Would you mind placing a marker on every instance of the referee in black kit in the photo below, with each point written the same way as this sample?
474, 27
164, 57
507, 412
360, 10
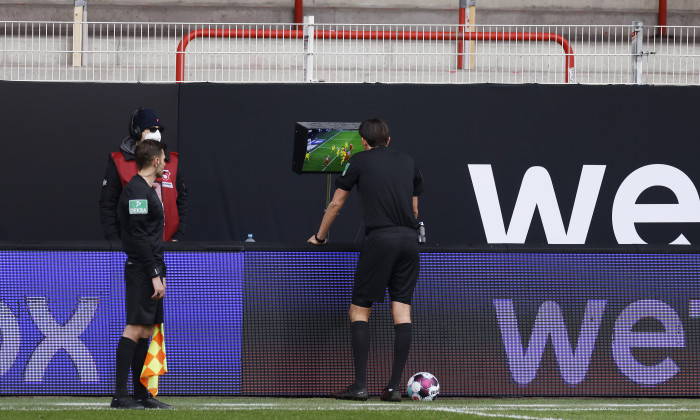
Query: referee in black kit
141, 220
388, 184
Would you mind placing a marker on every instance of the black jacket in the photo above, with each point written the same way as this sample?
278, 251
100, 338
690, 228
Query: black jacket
387, 180
112, 188
141, 218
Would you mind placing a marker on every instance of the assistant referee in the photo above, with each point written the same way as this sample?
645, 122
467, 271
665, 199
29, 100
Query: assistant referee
388, 185
141, 221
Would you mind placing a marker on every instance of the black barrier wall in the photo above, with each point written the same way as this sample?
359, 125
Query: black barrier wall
582, 141
502, 164
56, 138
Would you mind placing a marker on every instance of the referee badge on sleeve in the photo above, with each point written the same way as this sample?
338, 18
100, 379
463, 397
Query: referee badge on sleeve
346, 168
138, 206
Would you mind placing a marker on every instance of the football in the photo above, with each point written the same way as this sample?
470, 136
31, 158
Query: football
423, 386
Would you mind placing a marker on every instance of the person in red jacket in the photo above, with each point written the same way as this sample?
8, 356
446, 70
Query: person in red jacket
144, 124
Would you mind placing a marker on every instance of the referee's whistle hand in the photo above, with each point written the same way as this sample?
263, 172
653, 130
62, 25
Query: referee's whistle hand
159, 288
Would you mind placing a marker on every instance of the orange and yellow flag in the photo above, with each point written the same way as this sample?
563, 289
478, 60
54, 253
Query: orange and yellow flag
155, 363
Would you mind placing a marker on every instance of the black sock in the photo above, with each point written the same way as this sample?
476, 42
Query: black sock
360, 353
125, 352
140, 352
402, 344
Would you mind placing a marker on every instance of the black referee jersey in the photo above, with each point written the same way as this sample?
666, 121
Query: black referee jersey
387, 180
141, 221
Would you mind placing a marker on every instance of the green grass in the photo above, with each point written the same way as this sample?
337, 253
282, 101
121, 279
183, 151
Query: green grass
337, 139
323, 408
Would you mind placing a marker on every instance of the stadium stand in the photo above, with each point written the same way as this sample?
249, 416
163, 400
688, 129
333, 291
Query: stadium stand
401, 42
529, 12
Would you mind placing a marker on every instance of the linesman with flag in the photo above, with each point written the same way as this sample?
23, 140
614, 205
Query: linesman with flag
141, 220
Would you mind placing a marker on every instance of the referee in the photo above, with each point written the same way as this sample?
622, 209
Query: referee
388, 184
141, 220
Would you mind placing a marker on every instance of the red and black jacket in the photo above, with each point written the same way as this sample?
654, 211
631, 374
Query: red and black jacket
121, 167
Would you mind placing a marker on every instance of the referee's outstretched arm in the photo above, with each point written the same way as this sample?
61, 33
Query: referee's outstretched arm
331, 212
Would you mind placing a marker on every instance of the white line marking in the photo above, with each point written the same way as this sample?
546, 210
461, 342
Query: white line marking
623, 409
479, 413
329, 164
240, 405
592, 405
327, 140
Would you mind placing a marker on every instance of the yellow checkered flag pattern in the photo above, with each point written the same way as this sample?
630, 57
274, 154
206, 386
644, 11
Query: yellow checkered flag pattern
155, 363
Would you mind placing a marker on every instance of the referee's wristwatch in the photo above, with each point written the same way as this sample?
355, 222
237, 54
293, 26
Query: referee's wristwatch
320, 241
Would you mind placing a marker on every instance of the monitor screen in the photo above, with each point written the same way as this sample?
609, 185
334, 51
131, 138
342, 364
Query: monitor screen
324, 147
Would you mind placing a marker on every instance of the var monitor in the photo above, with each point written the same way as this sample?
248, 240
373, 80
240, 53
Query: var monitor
324, 147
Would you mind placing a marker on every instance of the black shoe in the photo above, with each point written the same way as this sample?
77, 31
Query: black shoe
152, 403
127, 403
349, 394
389, 394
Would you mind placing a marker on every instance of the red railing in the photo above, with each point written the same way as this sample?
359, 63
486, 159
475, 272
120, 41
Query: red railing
460, 36
662, 17
460, 45
298, 11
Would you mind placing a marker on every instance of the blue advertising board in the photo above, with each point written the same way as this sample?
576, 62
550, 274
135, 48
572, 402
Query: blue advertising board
62, 313
275, 323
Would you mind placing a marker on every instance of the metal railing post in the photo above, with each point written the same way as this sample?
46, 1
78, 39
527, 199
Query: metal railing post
308, 48
79, 32
637, 52
467, 16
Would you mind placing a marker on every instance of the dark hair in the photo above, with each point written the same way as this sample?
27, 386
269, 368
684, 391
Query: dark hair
375, 132
146, 151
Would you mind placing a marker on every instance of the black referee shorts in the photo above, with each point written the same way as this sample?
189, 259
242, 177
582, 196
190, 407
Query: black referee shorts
140, 309
389, 258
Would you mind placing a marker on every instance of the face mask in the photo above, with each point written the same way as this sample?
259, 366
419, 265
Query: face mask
153, 136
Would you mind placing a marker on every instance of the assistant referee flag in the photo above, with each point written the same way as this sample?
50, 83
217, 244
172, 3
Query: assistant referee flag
155, 363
